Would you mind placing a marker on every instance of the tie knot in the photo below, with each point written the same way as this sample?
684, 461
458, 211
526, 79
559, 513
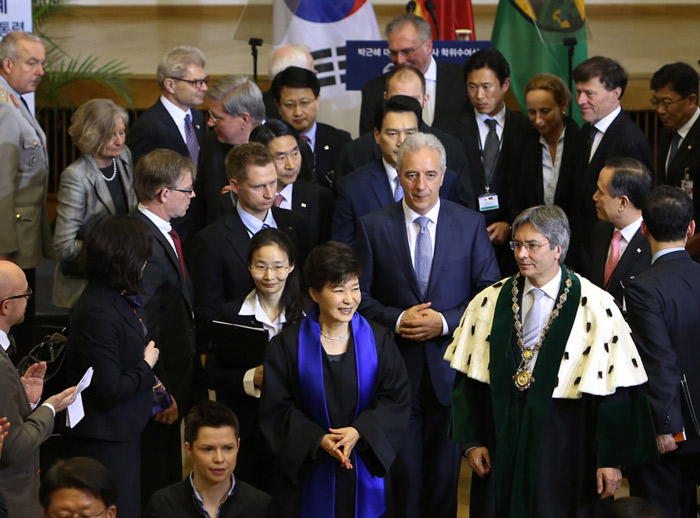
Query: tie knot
617, 236
422, 222
537, 294
187, 118
593, 133
491, 123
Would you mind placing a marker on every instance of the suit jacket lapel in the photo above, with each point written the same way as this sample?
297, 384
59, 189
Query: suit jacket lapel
237, 235
633, 252
396, 227
445, 230
379, 184
174, 133
469, 135
675, 168
94, 176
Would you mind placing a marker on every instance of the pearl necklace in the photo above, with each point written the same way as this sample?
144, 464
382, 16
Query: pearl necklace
337, 338
114, 172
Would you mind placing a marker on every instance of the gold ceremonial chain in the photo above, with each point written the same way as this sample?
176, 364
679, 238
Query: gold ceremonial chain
523, 376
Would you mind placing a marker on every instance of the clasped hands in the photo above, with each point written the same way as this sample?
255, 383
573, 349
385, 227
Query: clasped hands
420, 323
339, 444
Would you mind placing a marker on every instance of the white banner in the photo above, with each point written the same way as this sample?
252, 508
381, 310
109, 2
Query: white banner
16, 15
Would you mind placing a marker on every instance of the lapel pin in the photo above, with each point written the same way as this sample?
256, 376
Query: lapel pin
303, 204
196, 126
639, 250
326, 147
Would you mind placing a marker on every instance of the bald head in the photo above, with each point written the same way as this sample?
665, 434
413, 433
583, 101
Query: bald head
12, 283
290, 56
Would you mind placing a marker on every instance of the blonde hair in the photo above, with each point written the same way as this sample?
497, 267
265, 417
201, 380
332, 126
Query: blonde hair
92, 124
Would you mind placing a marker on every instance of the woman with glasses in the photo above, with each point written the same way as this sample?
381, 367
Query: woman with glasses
107, 333
274, 303
335, 400
97, 184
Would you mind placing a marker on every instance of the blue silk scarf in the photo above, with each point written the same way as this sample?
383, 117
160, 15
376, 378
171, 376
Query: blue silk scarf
318, 491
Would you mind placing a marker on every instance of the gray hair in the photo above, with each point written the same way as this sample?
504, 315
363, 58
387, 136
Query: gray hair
239, 95
425, 32
289, 56
551, 222
174, 63
417, 141
9, 46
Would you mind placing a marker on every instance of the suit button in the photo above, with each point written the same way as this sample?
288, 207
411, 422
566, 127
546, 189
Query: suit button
32, 160
18, 216
38, 473
36, 143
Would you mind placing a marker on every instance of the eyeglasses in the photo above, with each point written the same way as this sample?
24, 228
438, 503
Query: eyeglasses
664, 103
261, 268
214, 117
530, 247
67, 514
303, 104
27, 295
186, 191
406, 52
197, 83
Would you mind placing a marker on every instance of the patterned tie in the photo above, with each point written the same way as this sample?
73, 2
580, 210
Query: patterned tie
589, 144
278, 200
178, 247
490, 154
423, 254
675, 140
398, 190
191, 137
614, 257
531, 327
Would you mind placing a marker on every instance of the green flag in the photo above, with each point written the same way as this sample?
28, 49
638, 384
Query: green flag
531, 34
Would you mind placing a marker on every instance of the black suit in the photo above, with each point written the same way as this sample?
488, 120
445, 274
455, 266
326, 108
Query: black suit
635, 260
623, 138
315, 204
169, 308
450, 97
211, 178
106, 334
271, 111
365, 149
426, 469
329, 142
526, 183
664, 313
219, 264
155, 128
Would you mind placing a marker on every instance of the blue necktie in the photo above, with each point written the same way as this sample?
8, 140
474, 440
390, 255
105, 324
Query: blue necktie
398, 190
423, 253
531, 326
675, 140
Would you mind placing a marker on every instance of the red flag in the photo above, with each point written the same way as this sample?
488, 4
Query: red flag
451, 15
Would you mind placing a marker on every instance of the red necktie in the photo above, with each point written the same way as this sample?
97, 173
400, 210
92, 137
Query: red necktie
614, 257
178, 247
278, 200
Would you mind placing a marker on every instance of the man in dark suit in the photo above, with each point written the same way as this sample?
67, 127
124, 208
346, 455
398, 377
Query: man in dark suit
172, 122
376, 184
219, 261
312, 202
281, 58
164, 184
608, 132
664, 313
31, 423
423, 259
402, 80
410, 43
619, 251
297, 95
678, 162
492, 152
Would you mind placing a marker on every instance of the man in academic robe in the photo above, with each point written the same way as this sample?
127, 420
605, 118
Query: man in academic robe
547, 377
678, 160
423, 258
619, 251
664, 313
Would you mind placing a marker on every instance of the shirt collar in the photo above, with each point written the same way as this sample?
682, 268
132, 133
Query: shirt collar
410, 215
500, 117
177, 113
8, 87
630, 230
4, 340
390, 170
665, 251
311, 135
251, 306
198, 499
431, 73
551, 289
544, 142
163, 226
683, 130
287, 192
603, 124
253, 224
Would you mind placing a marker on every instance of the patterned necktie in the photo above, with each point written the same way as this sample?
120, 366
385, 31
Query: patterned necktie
490, 154
191, 137
398, 190
423, 254
278, 200
614, 257
178, 247
589, 144
531, 327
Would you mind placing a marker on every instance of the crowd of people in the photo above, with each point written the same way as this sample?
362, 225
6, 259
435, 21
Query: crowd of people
462, 280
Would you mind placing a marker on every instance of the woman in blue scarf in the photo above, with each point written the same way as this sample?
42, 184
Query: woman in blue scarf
335, 400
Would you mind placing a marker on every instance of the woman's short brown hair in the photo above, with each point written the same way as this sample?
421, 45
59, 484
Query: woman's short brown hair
92, 124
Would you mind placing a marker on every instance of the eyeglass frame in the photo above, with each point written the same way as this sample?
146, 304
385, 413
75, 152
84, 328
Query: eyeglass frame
197, 83
186, 191
407, 52
530, 247
664, 104
213, 117
78, 515
27, 295
276, 268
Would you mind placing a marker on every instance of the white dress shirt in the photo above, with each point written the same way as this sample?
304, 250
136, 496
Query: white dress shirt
178, 115
431, 89
602, 126
164, 226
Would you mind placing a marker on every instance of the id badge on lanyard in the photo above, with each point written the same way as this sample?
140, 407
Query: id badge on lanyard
488, 201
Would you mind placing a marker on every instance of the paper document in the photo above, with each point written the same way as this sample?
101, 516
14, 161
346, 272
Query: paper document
75, 411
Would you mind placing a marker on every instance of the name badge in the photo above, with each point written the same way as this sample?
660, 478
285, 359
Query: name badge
687, 184
488, 202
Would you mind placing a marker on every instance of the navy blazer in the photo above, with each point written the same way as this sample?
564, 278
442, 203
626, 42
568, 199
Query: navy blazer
329, 142
315, 205
463, 264
663, 308
635, 260
366, 190
155, 128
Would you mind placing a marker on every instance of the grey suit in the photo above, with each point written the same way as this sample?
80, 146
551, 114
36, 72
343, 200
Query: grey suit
24, 171
19, 466
83, 197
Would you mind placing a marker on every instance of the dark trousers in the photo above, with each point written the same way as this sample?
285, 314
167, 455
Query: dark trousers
161, 457
425, 473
